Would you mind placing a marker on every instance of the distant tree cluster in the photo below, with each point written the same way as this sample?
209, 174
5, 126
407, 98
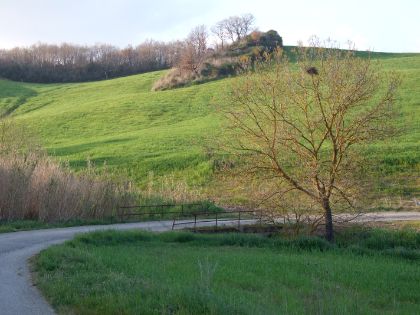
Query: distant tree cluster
71, 63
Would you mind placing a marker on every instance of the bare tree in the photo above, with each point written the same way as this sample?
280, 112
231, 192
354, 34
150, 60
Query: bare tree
195, 50
245, 26
237, 27
220, 31
296, 127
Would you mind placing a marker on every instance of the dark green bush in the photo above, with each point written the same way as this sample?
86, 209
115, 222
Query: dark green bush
227, 69
271, 40
208, 70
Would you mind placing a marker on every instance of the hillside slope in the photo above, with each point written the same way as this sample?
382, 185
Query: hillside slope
121, 122
137, 131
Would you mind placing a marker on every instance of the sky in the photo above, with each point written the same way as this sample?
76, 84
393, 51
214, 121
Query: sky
378, 25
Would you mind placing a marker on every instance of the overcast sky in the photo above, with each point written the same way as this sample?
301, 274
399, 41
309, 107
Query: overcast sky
380, 25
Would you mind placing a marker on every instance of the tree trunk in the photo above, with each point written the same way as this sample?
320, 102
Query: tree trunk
329, 232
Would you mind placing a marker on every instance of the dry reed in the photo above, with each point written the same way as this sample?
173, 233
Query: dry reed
37, 187
33, 186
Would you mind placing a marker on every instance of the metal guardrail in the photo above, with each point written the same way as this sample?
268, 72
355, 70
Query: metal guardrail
217, 218
196, 217
161, 213
162, 205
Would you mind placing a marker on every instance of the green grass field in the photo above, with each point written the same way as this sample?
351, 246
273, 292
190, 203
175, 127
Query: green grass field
136, 131
370, 272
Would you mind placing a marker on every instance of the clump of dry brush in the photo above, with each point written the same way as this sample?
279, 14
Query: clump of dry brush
34, 186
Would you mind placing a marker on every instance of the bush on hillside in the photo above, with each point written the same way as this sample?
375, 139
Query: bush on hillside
174, 78
261, 42
223, 63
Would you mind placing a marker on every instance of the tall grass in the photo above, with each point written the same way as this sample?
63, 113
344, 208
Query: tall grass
34, 186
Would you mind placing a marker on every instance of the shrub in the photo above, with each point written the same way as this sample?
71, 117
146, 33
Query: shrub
208, 70
173, 78
271, 40
227, 69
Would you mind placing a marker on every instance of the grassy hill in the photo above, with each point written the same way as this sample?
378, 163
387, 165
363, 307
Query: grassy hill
137, 131
121, 122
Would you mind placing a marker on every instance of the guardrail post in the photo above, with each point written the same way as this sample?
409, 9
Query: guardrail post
173, 223
239, 220
216, 220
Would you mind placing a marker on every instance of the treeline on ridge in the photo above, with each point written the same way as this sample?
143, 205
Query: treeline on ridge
46, 63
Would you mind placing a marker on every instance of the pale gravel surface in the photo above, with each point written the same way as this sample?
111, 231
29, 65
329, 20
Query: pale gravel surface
18, 296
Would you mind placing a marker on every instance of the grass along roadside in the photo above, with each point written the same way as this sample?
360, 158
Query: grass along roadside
183, 273
27, 225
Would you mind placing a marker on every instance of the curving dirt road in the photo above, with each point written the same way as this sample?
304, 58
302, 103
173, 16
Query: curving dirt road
19, 297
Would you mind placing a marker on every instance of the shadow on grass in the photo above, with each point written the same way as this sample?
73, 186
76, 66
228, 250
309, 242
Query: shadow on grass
17, 94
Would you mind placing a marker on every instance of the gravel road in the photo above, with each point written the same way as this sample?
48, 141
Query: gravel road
18, 296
